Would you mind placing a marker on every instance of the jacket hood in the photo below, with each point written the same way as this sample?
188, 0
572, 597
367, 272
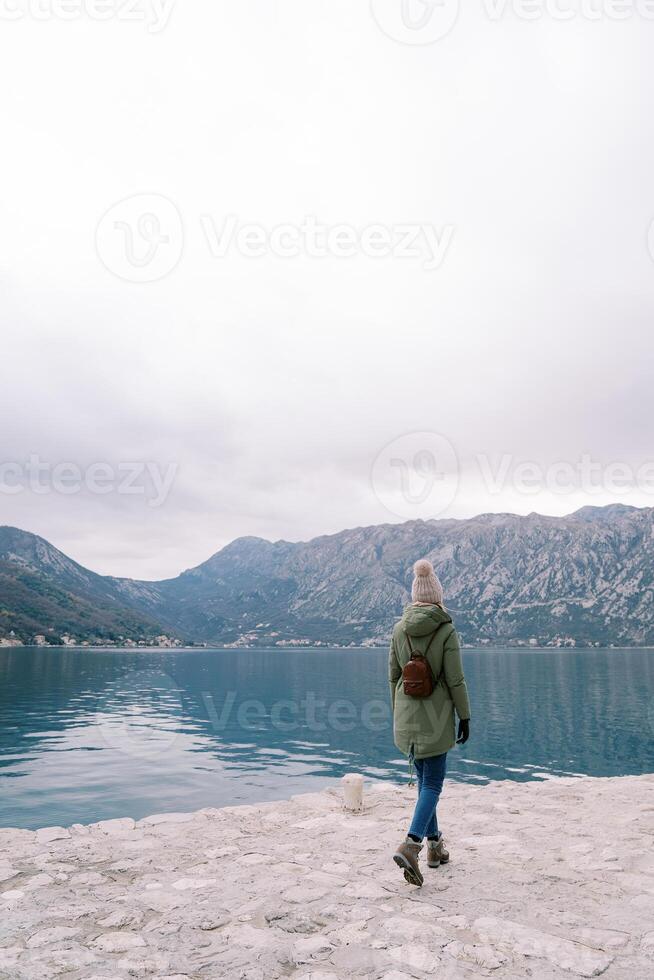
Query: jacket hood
421, 620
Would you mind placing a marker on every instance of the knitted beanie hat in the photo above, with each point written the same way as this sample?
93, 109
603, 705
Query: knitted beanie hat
426, 586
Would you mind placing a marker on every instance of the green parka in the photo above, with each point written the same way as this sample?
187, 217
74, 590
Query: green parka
427, 725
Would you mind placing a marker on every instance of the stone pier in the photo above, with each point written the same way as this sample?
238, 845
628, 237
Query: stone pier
547, 879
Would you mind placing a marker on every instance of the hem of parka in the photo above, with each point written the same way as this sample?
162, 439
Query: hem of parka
406, 742
417, 754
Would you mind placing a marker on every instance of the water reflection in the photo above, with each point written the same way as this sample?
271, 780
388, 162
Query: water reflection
91, 735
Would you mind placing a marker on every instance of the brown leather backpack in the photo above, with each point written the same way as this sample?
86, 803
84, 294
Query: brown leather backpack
417, 677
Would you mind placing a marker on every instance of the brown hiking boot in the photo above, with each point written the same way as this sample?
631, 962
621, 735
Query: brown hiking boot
436, 853
406, 856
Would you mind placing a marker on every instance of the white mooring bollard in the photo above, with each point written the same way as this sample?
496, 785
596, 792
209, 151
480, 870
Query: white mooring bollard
353, 791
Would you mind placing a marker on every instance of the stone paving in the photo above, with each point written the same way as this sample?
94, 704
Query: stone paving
547, 879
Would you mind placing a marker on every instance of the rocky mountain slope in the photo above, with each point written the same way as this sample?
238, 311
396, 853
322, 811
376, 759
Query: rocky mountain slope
42, 591
587, 577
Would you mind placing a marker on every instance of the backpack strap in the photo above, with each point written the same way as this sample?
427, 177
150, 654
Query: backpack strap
413, 652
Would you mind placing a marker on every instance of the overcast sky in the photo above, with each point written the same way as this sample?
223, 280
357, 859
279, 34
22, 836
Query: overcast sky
343, 382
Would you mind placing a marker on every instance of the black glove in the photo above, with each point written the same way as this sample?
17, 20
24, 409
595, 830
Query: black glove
464, 732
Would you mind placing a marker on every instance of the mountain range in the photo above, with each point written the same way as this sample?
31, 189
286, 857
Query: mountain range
587, 578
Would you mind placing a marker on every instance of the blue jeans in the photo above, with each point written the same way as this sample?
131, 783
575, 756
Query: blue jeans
431, 774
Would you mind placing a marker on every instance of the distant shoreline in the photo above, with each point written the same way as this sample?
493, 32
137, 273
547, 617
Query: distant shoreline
324, 647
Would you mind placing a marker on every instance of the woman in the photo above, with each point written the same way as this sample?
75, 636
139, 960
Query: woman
424, 727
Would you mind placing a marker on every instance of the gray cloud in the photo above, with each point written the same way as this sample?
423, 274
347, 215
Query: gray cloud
273, 383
